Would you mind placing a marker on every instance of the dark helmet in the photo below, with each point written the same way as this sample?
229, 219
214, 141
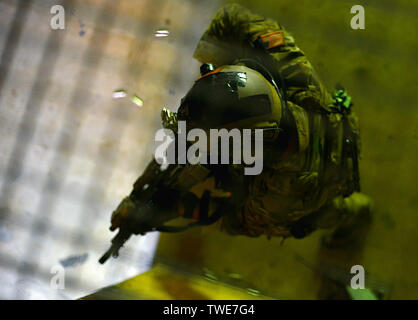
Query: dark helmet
232, 96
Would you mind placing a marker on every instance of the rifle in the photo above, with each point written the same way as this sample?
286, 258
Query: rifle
117, 242
148, 206
134, 214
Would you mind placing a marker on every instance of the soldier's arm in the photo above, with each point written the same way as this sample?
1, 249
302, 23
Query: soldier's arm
229, 34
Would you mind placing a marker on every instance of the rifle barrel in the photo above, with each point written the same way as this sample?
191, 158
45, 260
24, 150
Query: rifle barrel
117, 242
106, 256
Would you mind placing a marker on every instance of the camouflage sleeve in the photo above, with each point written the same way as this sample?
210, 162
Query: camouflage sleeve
236, 23
228, 35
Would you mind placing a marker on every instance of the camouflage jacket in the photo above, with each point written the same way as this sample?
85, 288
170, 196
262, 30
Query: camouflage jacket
307, 178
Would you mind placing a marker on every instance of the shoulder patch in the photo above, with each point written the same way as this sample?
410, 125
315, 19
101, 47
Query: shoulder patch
272, 40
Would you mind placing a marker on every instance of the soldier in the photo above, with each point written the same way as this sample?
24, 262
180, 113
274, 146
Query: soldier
310, 177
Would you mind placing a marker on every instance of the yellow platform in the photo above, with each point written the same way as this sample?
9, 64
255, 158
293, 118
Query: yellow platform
166, 283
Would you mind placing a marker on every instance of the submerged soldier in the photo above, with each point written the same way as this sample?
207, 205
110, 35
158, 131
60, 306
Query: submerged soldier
310, 177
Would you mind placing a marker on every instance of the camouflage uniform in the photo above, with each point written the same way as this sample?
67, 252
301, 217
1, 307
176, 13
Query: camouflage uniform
313, 179
308, 181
